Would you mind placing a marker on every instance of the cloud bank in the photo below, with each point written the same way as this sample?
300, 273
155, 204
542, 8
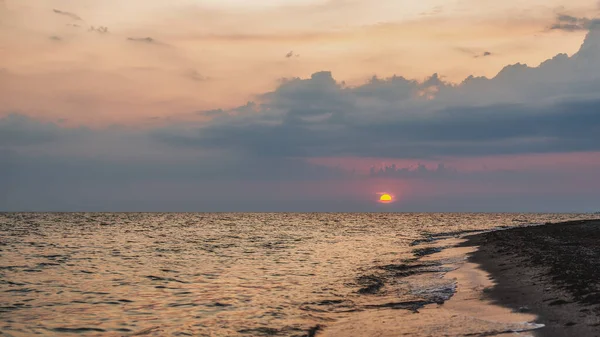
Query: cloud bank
257, 156
549, 108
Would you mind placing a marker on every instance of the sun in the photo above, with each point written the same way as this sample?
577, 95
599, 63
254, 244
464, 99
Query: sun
386, 198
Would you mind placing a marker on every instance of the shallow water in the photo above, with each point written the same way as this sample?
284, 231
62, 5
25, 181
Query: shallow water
125, 274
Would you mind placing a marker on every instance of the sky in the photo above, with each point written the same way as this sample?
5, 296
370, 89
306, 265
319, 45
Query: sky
300, 105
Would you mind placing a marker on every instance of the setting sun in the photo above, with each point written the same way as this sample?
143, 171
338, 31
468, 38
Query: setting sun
385, 198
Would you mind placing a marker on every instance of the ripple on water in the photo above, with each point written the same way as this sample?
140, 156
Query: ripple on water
77, 330
137, 274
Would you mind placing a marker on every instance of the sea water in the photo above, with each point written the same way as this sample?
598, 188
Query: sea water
233, 274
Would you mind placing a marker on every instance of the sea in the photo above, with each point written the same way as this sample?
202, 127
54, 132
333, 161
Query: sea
242, 274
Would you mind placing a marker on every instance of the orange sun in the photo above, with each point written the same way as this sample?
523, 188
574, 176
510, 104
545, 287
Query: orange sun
386, 198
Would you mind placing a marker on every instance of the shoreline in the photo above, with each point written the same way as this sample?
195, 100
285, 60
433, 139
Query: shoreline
550, 270
464, 312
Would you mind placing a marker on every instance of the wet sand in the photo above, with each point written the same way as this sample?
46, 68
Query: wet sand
552, 271
466, 313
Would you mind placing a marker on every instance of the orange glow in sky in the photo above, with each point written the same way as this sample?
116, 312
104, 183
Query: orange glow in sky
240, 50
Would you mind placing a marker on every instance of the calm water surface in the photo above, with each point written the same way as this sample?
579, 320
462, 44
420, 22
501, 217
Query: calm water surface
127, 274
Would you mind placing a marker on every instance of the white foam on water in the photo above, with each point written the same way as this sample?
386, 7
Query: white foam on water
466, 310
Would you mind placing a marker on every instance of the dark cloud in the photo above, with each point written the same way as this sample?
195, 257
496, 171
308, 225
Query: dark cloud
119, 170
571, 23
460, 131
138, 183
555, 109
18, 130
55, 38
570, 27
69, 14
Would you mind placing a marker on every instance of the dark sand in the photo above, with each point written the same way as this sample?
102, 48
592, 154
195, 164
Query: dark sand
552, 271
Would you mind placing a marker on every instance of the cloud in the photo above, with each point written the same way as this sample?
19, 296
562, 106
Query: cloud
100, 29
445, 173
18, 130
550, 108
473, 53
69, 14
47, 182
484, 54
420, 171
138, 182
50, 166
571, 23
142, 39
193, 74
182, 169
250, 153
460, 131
291, 54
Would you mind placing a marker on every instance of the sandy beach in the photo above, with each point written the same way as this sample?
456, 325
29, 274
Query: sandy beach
552, 271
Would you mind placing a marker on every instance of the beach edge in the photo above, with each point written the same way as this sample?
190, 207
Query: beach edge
540, 269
